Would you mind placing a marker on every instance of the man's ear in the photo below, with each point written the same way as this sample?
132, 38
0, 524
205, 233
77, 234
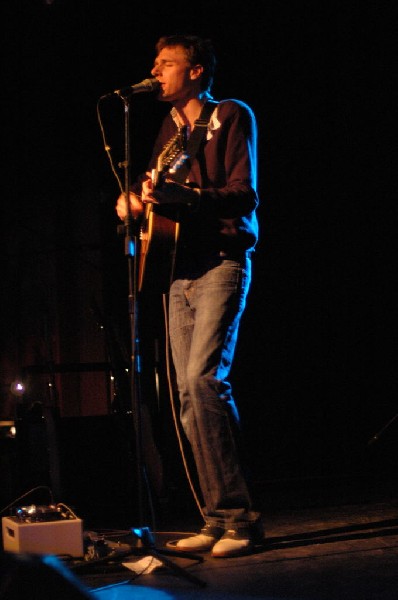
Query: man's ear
196, 71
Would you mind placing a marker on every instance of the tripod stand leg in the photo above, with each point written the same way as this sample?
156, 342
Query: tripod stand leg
176, 568
148, 546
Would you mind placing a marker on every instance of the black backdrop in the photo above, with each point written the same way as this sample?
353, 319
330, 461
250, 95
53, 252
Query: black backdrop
315, 374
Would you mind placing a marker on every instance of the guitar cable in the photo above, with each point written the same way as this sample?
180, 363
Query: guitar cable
173, 406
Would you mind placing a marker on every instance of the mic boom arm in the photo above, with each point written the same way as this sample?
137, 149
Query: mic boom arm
146, 85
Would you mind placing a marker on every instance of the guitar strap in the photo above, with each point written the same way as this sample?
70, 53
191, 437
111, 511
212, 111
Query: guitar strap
195, 139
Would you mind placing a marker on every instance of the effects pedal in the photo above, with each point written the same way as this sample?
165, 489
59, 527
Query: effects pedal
43, 530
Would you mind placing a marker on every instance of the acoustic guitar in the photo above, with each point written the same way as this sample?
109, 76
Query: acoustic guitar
158, 234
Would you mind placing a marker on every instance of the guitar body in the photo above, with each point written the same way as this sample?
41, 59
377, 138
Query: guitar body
159, 235
158, 247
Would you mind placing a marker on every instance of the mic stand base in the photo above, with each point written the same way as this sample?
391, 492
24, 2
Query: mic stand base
146, 547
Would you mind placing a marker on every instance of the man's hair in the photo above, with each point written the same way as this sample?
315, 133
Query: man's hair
198, 52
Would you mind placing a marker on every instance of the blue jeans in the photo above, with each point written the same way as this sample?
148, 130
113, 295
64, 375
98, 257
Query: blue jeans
205, 307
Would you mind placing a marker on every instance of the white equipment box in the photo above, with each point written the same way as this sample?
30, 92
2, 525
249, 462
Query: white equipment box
63, 537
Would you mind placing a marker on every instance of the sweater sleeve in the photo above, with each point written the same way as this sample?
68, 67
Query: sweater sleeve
228, 180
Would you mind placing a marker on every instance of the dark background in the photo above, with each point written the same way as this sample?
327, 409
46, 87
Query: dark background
315, 374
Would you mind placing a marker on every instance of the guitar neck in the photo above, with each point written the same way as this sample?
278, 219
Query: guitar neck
171, 158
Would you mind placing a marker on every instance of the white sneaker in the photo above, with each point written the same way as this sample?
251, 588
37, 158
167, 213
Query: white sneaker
200, 542
237, 542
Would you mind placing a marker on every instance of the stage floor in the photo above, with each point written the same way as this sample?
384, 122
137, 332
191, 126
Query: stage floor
316, 550
327, 538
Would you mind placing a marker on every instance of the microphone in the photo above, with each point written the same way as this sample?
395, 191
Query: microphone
146, 85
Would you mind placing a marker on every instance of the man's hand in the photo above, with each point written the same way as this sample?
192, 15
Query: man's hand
170, 192
136, 206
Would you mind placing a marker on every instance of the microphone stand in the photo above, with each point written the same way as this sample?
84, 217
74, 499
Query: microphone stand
145, 544
376, 436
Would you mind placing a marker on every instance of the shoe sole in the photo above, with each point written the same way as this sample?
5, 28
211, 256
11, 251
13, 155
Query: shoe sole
233, 554
172, 545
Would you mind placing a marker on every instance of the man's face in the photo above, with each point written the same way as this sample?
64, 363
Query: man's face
175, 74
